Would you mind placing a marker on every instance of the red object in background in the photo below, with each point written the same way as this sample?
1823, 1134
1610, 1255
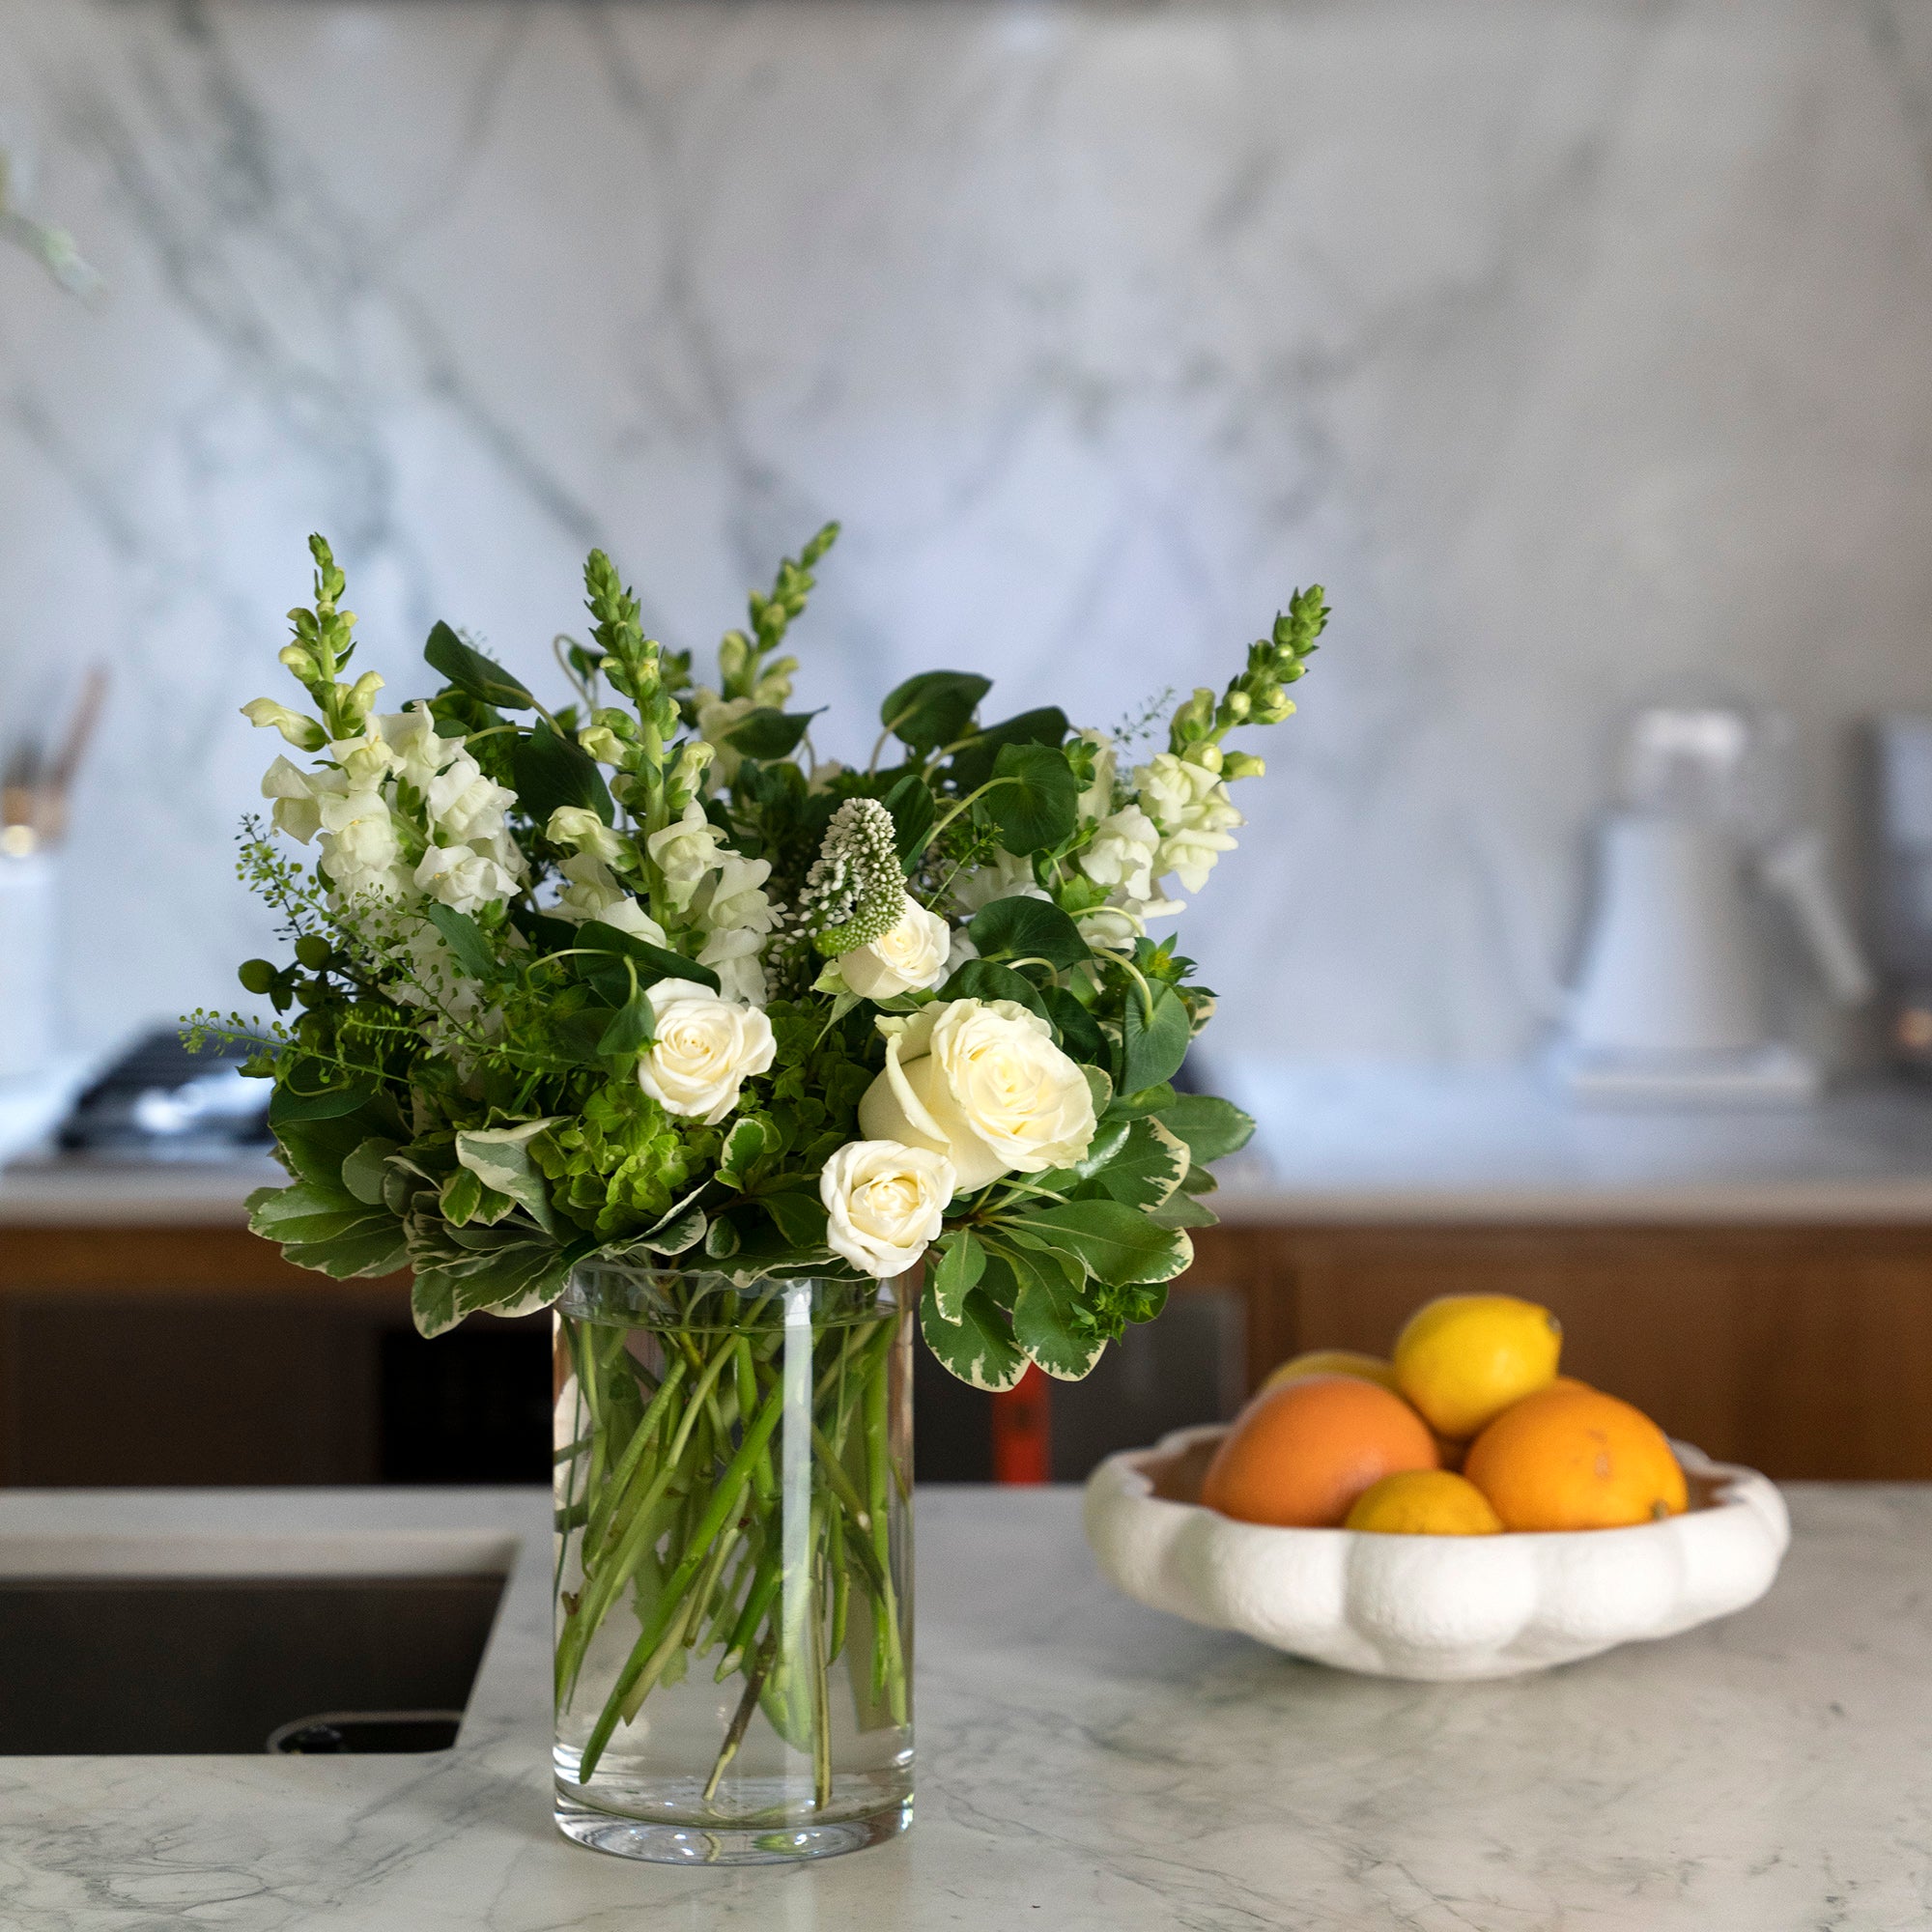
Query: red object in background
1022, 1430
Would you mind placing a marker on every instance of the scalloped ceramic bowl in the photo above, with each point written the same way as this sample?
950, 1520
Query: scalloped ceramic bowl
1430, 1607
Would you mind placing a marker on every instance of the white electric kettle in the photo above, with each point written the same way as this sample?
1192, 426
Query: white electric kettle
1669, 1002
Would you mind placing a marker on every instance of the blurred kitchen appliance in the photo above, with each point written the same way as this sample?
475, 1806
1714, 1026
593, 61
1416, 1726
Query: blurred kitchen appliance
1671, 1003
1902, 747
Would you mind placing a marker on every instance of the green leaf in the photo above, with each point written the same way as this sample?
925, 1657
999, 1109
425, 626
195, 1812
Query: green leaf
979, 1348
799, 1217
1212, 1127
1028, 929
1035, 796
499, 1157
1080, 1034
983, 979
551, 769
470, 670
1117, 1244
433, 1302
973, 764
934, 708
1146, 1169
743, 1144
1100, 1085
663, 964
631, 1028
1182, 1210
1051, 1321
465, 938
365, 1167
1154, 1099
767, 733
913, 811
684, 1232
1152, 1046
328, 1230
309, 1091
962, 1260
460, 1198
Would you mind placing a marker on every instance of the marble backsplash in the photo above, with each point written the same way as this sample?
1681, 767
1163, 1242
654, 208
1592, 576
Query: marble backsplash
1580, 347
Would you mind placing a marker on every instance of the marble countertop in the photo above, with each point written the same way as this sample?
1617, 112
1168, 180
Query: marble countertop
1085, 1763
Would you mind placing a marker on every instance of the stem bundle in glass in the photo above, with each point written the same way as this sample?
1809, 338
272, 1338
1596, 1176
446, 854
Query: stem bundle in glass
733, 1564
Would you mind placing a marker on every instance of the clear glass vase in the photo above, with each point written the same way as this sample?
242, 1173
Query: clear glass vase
734, 1576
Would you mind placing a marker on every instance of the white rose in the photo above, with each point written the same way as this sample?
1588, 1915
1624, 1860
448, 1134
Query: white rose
684, 852
912, 957
462, 879
1122, 852
464, 804
705, 1049
981, 1082
884, 1202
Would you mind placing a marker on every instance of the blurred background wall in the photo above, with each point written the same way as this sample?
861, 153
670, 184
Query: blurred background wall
1580, 349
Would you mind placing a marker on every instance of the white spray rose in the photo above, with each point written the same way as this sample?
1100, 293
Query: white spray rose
883, 1202
1122, 852
913, 956
981, 1082
684, 852
579, 826
462, 879
705, 1049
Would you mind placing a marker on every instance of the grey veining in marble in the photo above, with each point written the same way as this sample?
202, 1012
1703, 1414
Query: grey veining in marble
1091, 1766
1577, 344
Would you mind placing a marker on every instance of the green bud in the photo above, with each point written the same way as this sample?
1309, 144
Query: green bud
1271, 705
1196, 717
1207, 756
299, 660
257, 975
1235, 707
1242, 765
314, 952
734, 655
362, 695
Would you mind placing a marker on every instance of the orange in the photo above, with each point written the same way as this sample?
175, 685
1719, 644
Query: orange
1336, 1362
1301, 1452
1576, 1458
1424, 1502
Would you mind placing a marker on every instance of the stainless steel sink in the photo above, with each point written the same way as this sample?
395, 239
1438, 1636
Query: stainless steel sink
205, 1645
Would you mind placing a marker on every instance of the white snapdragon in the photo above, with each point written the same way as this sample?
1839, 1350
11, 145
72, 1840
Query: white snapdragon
298, 796
684, 852
578, 826
1190, 805
592, 892
602, 744
716, 717
365, 761
462, 879
420, 752
738, 916
462, 805
1124, 846
303, 732
360, 846
1097, 800
1008, 877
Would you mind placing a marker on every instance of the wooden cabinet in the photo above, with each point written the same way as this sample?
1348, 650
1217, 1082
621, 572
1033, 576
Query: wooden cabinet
195, 1354
1806, 1351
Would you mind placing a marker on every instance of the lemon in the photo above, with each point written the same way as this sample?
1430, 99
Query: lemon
1424, 1502
1464, 1359
1335, 1362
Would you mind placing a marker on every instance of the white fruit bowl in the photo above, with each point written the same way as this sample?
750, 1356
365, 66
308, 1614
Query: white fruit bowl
1430, 1607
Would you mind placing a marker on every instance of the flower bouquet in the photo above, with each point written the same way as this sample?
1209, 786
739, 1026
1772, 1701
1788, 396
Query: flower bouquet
737, 1057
